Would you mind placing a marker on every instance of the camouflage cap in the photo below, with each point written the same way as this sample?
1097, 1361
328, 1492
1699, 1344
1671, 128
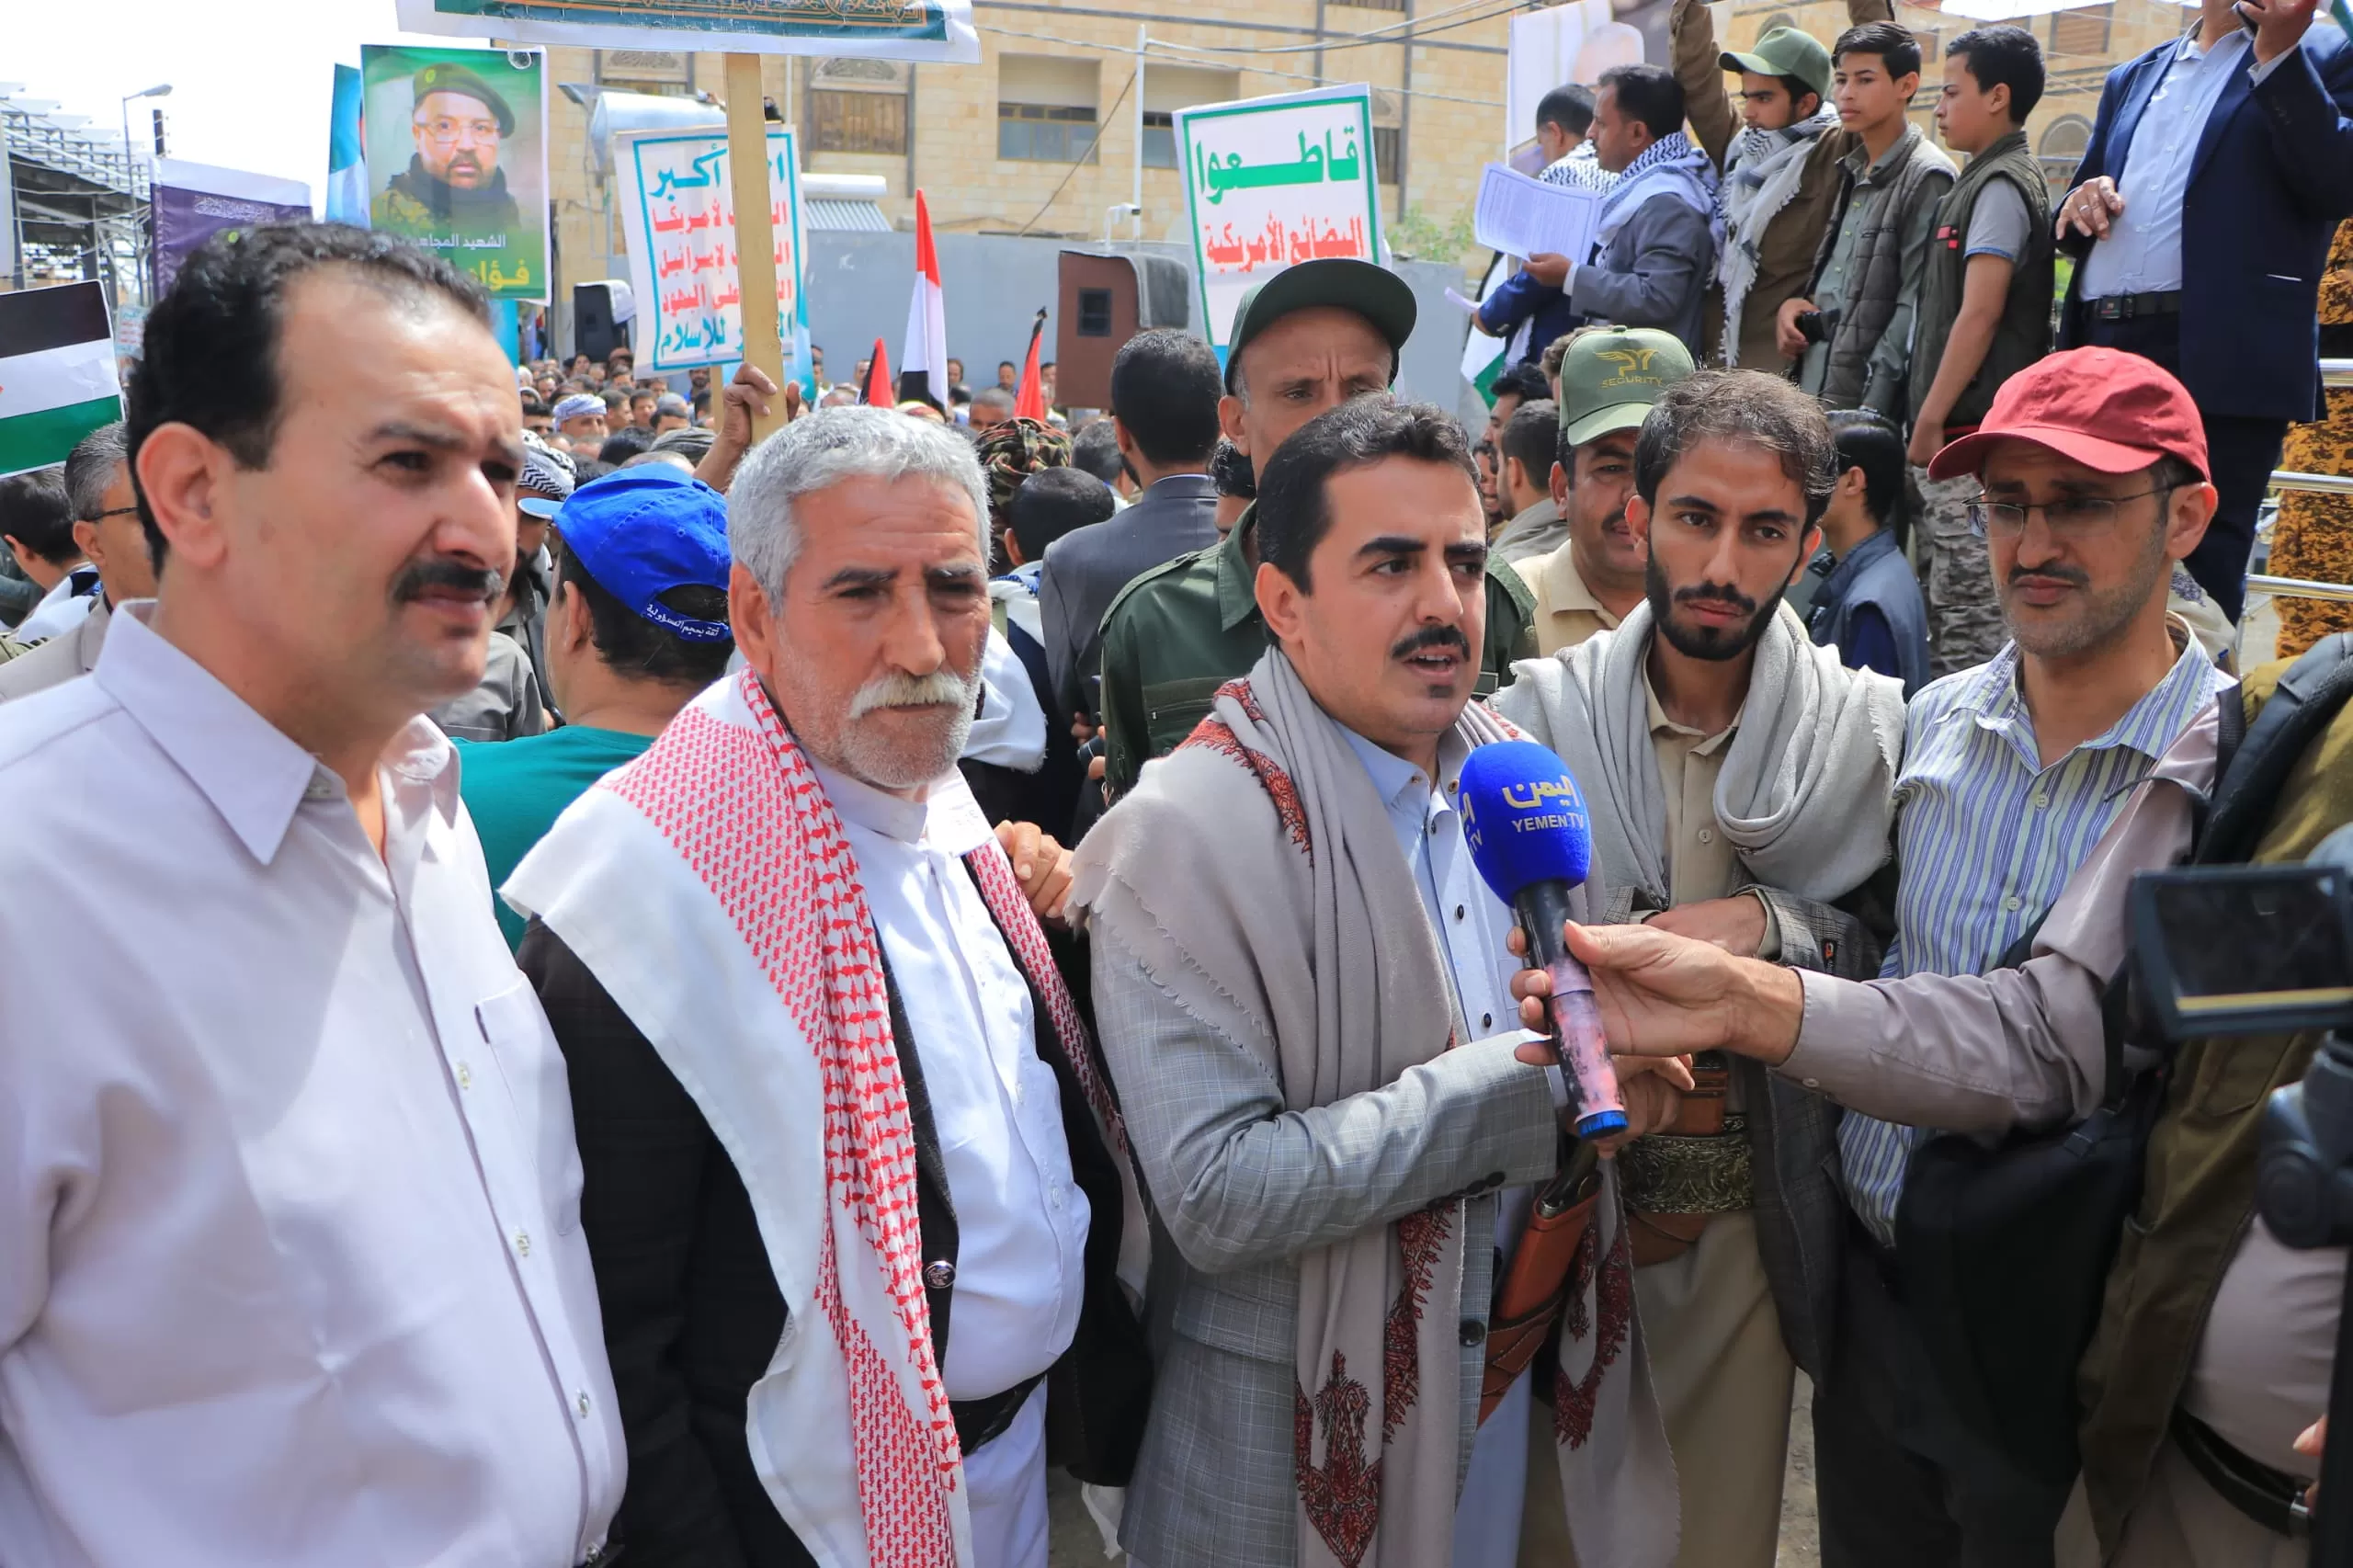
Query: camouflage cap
1012, 451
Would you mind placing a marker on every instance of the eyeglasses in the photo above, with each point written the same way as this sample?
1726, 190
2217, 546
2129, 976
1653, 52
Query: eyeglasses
114, 512
2071, 518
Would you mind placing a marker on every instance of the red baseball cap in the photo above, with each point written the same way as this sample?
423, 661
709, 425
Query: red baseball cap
2108, 410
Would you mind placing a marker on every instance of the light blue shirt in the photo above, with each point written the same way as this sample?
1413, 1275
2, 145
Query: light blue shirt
2143, 252
1987, 836
1470, 923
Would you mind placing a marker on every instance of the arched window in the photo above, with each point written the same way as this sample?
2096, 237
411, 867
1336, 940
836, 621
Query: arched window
2062, 147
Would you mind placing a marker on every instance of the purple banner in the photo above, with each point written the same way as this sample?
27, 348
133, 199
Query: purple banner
186, 218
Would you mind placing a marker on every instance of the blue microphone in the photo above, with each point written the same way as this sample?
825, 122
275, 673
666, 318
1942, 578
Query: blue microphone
1525, 821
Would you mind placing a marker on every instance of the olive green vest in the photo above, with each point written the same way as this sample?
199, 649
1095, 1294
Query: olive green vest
2199, 1196
2023, 335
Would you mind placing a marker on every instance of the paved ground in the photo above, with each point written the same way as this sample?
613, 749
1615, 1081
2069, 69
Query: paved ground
1076, 1543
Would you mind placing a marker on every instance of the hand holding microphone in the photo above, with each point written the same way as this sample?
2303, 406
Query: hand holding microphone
1525, 822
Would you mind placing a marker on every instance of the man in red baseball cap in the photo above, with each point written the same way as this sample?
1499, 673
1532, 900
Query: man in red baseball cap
2091, 467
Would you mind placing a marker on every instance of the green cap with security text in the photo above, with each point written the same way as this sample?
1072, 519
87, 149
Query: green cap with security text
1610, 377
1374, 292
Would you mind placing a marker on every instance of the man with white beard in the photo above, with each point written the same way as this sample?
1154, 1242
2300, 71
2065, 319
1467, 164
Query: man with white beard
830, 1087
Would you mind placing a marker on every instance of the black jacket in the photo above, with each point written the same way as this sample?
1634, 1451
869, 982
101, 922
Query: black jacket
691, 1309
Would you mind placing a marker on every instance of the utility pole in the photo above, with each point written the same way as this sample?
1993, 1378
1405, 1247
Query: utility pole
1136, 200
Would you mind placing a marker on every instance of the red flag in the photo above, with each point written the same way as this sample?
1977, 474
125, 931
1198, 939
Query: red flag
925, 358
877, 389
1029, 398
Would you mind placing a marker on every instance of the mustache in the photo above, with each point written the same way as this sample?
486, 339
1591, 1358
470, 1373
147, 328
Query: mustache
2074, 576
1716, 593
1432, 637
420, 577
940, 688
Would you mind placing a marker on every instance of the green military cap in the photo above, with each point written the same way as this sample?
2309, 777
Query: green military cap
1611, 375
1374, 292
1785, 52
443, 77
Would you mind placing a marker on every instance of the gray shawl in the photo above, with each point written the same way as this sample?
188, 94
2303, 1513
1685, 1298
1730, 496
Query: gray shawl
1807, 793
1297, 929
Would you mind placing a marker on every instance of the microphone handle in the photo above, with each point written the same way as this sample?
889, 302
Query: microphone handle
1596, 1102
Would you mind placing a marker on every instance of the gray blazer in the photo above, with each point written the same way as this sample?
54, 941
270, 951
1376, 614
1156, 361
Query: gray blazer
1085, 569
1237, 1187
1654, 273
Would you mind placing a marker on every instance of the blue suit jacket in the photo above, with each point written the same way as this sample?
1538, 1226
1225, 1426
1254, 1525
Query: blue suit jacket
2270, 180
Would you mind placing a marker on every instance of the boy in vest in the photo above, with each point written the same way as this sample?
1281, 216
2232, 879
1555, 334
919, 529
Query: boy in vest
1869, 606
1982, 313
1854, 325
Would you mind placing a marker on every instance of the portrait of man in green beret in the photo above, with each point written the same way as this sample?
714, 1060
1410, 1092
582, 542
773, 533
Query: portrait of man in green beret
453, 183
456, 155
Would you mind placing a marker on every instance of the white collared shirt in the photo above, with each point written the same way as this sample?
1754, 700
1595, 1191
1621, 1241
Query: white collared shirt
291, 1261
62, 608
995, 1105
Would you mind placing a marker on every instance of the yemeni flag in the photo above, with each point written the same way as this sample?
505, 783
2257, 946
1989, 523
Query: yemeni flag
1029, 396
924, 362
877, 389
57, 376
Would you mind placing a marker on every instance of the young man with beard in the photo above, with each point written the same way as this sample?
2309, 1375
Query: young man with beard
2091, 467
1739, 779
1301, 976
1610, 379
863, 1108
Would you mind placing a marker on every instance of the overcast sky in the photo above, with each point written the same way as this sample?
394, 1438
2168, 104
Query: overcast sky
250, 79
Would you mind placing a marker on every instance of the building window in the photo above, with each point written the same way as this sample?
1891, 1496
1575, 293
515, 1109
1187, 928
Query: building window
1159, 139
1046, 133
1167, 88
1045, 108
856, 122
1384, 153
2082, 32
2062, 149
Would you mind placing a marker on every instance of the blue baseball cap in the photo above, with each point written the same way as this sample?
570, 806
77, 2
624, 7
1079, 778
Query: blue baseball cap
644, 531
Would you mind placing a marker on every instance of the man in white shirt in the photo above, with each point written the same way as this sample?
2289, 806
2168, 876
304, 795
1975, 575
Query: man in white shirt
107, 532
834, 1096
291, 1268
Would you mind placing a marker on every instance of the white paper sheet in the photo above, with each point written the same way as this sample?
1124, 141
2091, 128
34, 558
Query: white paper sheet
1525, 217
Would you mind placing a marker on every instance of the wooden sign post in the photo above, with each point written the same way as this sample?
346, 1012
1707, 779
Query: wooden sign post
747, 173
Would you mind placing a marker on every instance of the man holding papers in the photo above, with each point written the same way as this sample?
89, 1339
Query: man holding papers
1655, 239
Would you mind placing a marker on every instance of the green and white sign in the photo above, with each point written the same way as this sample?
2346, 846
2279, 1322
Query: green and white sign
1273, 181
881, 29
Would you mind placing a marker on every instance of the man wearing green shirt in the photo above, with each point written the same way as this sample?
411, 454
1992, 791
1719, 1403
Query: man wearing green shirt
1309, 339
636, 626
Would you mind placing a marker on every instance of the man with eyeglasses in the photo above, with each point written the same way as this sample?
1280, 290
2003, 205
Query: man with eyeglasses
453, 185
108, 534
2094, 481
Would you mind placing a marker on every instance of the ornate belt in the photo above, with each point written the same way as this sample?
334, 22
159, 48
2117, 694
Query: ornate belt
1671, 1173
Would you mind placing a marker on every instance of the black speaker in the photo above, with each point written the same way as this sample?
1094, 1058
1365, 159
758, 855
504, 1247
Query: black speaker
594, 331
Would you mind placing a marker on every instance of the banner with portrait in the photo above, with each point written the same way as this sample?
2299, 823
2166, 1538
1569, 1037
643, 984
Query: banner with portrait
938, 30
1273, 181
456, 153
196, 201
677, 212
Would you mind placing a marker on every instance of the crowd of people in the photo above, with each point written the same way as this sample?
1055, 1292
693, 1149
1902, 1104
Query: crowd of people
607, 918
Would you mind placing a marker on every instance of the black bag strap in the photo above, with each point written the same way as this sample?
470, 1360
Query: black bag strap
2249, 775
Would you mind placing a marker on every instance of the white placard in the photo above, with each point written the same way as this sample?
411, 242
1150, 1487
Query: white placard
1273, 181
677, 210
1525, 217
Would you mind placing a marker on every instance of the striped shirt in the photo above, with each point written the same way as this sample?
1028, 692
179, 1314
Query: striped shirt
1987, 836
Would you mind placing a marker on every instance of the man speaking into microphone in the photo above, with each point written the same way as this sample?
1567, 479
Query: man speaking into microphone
1302, 991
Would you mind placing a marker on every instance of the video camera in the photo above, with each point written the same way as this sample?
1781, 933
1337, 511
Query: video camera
2235, 951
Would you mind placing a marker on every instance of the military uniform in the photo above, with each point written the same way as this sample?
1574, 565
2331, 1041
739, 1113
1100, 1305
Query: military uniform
1179, 631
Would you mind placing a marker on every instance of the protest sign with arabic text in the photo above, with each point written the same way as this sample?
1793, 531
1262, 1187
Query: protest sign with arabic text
1273, 181
678, 222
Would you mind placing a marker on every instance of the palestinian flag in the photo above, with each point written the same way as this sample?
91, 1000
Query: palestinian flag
57, 377
923, 362
1029, 394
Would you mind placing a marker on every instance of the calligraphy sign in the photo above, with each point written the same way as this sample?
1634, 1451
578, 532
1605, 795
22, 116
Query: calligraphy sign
881, 29
1273, 181
678, 223
195, 201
